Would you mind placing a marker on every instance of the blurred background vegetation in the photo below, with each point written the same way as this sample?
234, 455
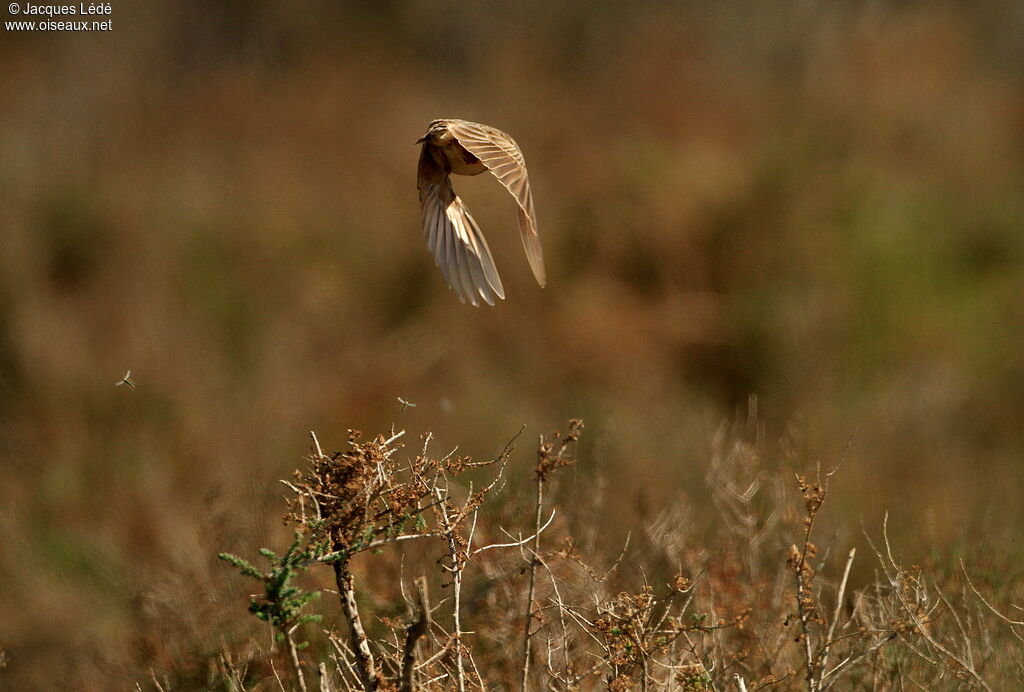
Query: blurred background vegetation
818, 203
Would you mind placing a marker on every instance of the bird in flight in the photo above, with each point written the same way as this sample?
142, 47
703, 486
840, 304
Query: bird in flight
459, 247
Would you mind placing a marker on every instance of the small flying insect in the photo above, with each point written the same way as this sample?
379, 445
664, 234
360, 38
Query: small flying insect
405, 404
127, 379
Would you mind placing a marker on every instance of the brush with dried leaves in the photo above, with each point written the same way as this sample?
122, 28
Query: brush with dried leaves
436, 587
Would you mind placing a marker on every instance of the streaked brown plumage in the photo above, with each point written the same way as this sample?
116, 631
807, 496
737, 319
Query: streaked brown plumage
459, 247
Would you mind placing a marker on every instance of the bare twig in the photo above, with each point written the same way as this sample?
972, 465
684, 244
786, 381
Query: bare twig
827, 645
360, 644
293, 656
531, 590
416, 629
888, 562
1016, 623
516, 544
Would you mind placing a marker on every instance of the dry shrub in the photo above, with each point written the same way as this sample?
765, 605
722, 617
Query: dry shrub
493, 606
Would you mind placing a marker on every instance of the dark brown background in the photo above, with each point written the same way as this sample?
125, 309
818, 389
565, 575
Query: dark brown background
817, 203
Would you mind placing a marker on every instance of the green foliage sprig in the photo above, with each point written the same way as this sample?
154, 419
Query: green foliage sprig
281, 604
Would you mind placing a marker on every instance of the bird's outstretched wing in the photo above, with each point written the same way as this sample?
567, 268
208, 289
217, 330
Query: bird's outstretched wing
502, 157
454, 237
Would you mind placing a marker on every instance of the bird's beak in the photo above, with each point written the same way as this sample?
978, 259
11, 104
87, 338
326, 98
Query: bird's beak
421, 139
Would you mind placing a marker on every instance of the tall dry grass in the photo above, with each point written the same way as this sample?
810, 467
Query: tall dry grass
441, 582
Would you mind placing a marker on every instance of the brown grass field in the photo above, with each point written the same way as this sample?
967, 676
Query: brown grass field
783, 240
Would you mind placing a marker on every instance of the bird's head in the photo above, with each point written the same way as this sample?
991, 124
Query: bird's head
437, 133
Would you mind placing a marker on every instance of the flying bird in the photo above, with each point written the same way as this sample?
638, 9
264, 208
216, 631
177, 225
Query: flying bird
453, 236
